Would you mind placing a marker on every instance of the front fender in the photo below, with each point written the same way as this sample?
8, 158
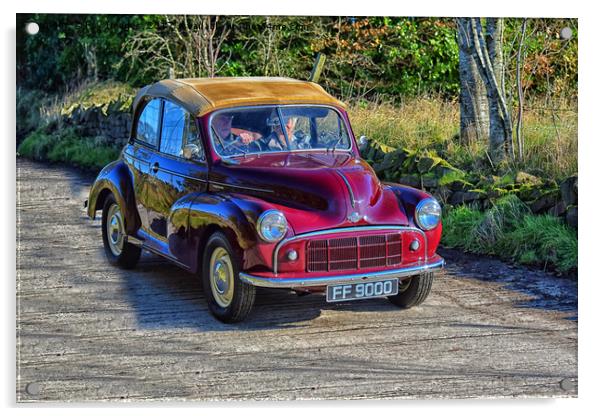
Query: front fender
409, 198
234, 214
208, 210
115, 178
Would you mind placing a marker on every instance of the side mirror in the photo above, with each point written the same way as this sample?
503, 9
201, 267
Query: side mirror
191, 151
362, 142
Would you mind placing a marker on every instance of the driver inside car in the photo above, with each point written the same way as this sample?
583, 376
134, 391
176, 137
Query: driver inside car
228, 136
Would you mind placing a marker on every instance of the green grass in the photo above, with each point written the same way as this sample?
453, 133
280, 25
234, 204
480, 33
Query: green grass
459, 225
422, 124
542, 240
432, 124
67, 147
510, 231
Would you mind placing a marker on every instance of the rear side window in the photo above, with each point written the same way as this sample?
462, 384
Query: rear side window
178, 130
147, 130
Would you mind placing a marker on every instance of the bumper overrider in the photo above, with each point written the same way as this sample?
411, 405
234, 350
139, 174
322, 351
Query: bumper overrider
436, 262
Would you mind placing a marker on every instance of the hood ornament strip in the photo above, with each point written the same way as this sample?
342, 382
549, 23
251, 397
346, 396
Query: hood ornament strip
348, 185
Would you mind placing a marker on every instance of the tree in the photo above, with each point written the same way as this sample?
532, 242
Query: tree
484, 46
519, 88
474, 117
188, 46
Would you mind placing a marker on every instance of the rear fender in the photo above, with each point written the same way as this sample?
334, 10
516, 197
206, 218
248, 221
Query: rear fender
116, 179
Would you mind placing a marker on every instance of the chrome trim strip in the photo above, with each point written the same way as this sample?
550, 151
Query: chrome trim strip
137, 158
351, 195
171, 172
345, 230
222, 185
341, 279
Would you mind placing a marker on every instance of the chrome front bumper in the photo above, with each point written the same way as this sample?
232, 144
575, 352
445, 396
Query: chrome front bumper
275, 282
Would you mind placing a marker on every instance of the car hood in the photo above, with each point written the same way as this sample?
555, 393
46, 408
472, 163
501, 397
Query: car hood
315, 190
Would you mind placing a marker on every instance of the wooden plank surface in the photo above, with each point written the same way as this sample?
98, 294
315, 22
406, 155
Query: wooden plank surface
89, 332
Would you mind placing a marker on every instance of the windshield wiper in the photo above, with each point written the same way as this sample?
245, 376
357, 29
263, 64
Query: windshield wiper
334, 146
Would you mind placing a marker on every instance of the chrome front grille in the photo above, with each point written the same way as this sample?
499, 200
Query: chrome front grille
354, 253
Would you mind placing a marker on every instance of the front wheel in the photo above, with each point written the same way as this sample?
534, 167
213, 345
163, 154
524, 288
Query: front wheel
119, 252
413, 291
230, 300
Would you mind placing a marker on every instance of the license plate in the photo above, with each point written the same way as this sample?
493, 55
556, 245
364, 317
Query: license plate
361, 290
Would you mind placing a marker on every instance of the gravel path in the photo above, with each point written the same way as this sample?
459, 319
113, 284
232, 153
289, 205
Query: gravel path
90, 332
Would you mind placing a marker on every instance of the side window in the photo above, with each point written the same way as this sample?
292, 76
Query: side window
191, 136
147, 130
172, 131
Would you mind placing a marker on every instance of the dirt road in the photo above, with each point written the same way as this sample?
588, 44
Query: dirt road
88, 331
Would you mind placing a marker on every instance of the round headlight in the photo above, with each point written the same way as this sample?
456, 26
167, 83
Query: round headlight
272, 226
428, 214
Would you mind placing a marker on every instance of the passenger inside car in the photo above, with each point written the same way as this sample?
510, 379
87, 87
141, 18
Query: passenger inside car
276, 140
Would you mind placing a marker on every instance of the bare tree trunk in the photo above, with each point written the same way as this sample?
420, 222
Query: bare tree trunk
500, 127
487, 55
474, 117
519, 89
494, 41
91, 62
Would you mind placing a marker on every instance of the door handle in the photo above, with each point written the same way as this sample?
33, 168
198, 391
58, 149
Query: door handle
155, 167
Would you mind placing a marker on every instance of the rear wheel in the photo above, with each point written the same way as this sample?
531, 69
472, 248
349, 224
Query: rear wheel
118, 251
230, 300
413, 291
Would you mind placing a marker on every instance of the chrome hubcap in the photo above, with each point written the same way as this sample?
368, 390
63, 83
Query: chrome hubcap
221, 275
115, 230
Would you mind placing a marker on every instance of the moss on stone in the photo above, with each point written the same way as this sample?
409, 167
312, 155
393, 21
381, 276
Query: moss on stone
494, 193
108, 96
526, 178
453, 176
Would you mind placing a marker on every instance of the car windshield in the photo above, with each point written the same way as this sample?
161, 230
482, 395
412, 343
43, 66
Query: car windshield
267, 129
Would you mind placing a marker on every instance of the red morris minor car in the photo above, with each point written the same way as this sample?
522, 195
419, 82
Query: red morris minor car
258, 182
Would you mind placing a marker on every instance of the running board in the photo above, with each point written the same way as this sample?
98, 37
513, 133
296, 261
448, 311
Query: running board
134, 241
140, 243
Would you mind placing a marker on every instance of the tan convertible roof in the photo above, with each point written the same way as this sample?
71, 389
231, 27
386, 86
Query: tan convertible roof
202, 95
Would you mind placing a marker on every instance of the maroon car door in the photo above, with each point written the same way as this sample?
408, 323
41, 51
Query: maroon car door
140, 153
178, 169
